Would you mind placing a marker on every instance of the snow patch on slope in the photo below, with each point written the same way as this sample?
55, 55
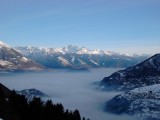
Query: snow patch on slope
81, 62
4, 45
154, 88
5, 63
94, 62
24, 59
64, 61
143, 102
31, 93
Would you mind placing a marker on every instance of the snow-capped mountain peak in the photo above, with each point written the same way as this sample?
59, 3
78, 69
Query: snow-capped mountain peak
2, 44
70, 49
83, 50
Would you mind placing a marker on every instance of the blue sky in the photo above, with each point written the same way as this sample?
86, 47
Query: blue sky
130, 26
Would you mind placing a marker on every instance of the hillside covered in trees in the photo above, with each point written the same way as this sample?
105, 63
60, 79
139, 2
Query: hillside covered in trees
16, 107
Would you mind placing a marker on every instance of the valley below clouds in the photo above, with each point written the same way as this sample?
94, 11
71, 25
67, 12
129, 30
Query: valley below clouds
71, 88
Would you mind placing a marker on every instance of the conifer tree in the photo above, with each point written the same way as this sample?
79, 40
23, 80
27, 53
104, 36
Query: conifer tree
2, 103
49, 110
76, 115
36, 109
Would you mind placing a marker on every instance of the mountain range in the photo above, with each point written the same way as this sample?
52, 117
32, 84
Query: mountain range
79, 58
34, 58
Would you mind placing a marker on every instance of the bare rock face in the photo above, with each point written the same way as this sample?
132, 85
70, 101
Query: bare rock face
12, 60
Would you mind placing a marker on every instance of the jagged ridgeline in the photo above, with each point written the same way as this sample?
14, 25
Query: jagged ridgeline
14, 106
33, 58
79, 57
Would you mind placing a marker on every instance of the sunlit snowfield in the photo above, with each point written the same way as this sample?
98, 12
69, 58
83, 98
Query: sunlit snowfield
71, 88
